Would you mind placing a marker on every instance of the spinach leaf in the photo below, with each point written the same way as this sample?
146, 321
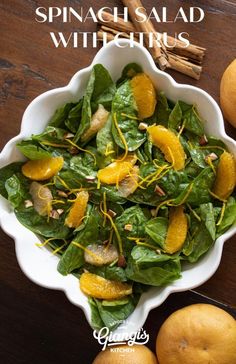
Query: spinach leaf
175, 117
74, 116
208, 216
113, 316
111, 192
7, 172
201, 240
201, 186
111, 273
17, 192
40, 224
96, 321
60, 115
199, 156
105, 144
84, 165
148, 267
32, 150
137, 219
192, 120
73, 257
162, 110
129, 71
173, 182
52, 135
147, 148
134, 216
229, 216
123, 109
157, 229
100, 90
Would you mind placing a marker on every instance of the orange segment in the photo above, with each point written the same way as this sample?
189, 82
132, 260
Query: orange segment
169, 144
98, 120
225, 176
42, 198
78, 210
98, 287
177, 230
144, 94
130, 183
117, 171
42, 169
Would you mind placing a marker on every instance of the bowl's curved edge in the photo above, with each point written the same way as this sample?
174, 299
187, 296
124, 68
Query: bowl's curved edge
149, 305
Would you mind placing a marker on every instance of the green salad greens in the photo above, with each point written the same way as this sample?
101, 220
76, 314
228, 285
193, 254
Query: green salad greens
125, 187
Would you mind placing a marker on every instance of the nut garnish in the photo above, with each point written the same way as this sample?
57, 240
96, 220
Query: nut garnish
60, 211
128, 227
142, 126
159, 191
68, 136
111, 213
121, 261
54, 214
28, 204
62, 193
211, 156
90, 178
203, 140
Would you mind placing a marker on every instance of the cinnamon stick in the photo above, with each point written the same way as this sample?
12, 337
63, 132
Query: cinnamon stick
158, 53
175, 62
192, 52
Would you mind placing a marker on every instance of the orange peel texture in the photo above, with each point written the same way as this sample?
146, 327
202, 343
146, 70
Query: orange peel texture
169, 144
42, 169
225, 176
78, 210
95, 286
177, 230
144, 95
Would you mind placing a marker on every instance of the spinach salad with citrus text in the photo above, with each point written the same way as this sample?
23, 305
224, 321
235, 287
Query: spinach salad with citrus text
124, 186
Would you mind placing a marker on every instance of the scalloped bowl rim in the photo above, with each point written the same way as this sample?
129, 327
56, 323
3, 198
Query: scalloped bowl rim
32, 260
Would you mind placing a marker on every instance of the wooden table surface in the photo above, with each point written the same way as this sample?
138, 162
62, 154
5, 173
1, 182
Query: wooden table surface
39, 325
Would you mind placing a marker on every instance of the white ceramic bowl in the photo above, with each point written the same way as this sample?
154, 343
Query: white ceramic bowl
38, 263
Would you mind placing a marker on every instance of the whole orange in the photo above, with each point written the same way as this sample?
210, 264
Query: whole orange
228, 93
197, 334
124, 354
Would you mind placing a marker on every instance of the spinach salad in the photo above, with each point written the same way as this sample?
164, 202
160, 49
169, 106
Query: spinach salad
125, 187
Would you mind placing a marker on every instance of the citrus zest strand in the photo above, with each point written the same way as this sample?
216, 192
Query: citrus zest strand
115, 229
185, 197
59, 248
110, 239
209, 161
147, 245
88, 251
194, 213
211, 147
163, 203
40, 245
83, 150
142, 242
131, 175
221, 214
109, 151
132, 117
121, 137
217, 197
105, 208
54, 144
182, 128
